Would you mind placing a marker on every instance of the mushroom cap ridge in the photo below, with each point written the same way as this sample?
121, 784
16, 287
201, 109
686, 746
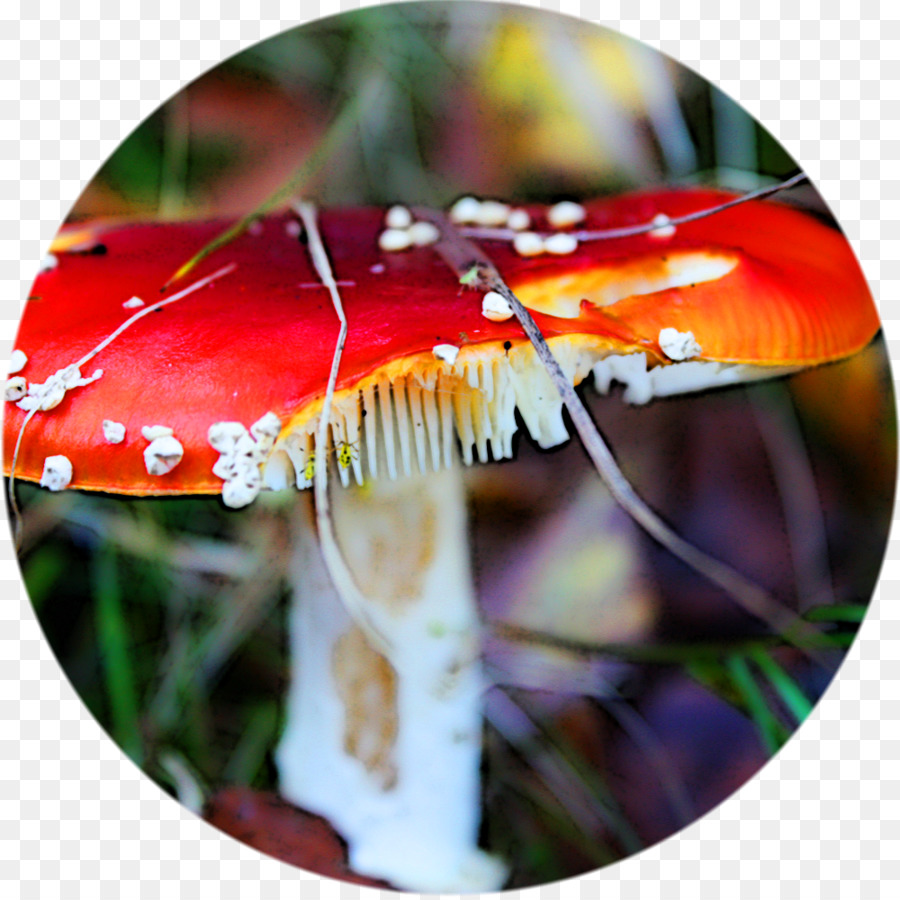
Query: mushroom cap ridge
262, 337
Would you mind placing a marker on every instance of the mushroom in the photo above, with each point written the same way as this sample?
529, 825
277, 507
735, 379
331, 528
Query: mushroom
383, 725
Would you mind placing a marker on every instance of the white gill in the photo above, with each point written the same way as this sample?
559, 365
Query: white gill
643, 384
409, 425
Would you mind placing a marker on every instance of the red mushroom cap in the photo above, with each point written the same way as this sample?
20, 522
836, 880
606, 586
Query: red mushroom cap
781, 289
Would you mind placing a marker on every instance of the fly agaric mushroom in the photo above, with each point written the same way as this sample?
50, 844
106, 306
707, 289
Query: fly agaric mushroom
383, 733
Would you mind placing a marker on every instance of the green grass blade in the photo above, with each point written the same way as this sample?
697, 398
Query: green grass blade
595, 788
115, 656
342, 126
788, 689
770, 730
250, 752
545, 806
46, 566
851, 612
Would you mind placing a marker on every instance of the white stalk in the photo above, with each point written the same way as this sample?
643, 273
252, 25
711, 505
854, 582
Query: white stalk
389, 752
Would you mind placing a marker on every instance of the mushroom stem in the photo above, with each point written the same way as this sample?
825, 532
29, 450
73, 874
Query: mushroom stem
390, 752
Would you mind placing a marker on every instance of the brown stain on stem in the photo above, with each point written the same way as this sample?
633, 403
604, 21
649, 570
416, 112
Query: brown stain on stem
396, 573
367, 686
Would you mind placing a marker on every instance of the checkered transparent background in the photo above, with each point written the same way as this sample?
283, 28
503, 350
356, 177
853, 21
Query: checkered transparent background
79, 820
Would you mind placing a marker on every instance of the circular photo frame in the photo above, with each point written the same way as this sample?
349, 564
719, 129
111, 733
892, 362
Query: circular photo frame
450, 447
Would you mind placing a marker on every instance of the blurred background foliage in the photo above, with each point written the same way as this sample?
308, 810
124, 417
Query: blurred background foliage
459, 98
629, 695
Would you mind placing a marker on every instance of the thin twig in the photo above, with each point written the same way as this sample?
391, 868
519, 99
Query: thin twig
588, 681
645, 653
778, 426
468, 261
606, 234
203, 282
354, 600
520, 731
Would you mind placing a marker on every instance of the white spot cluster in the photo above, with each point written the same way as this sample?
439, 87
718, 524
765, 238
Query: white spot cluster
152, 432
48, 263
562, 215
17, 362
663, 229
566, 214
398, 217
493, 214
401, 232
518, 220
678, 345
561, 244
495, 307
392, 240
528, 244
133, 303
15, 389
486, 213
465, 211
241, 453
162, 455
57, 474
51, 392
445, 352
164, 451
113, 432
